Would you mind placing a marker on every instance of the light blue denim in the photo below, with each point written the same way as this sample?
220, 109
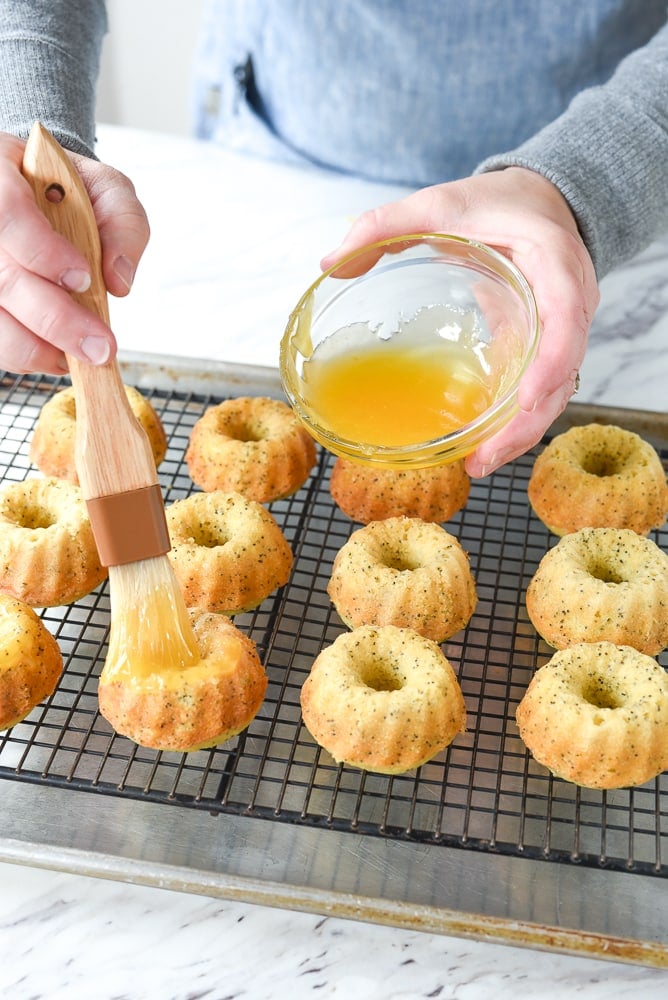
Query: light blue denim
419, 91
425, 91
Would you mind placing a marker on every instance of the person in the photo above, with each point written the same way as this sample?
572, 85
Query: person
539, 128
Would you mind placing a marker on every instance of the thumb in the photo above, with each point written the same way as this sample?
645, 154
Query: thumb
122, 224
423, 211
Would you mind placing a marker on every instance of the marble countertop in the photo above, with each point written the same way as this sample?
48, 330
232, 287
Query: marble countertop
234, 244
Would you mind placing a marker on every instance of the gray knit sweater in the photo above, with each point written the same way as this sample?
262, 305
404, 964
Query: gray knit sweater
49, 61
608, 155
590, 79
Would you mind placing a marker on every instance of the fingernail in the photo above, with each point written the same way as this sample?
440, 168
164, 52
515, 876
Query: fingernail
96, 349
75, 280
331, 257
498, 459
538, 402
125, 270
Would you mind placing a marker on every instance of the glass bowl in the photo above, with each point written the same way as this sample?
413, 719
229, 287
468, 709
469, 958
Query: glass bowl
409, 352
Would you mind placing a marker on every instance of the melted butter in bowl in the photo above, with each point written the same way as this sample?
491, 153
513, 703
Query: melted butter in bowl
396, 394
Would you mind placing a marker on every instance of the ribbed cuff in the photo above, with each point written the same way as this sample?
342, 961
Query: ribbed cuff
61, 96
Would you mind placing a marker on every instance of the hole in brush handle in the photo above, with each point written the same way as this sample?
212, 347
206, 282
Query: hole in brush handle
130, 526
54, 193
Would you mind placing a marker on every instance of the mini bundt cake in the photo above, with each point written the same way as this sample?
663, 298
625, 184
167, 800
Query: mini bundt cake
48, 554
406, 572
602, 584
30, 661
250, 445
599, 476
372, 492
228, 552
193, 706
597, 715
52, 447
383, 699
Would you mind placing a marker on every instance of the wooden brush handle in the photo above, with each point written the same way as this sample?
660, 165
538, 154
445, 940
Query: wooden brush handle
114, 458
113, 451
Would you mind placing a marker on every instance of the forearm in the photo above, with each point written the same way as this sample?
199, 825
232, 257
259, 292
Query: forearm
608, 155
49, 60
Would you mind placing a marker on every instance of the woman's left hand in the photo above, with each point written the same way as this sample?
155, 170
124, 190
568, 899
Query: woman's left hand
525, 217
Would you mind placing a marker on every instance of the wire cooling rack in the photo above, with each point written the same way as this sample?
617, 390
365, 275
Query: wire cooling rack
483, 794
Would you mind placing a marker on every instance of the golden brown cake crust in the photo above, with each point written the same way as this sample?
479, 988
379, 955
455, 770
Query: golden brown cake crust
372, 493
599, 476
602, 584
48, 554
30, 661
251, 445
597, 715
53, 441
228, 552
383, 699
406, 572
194, 707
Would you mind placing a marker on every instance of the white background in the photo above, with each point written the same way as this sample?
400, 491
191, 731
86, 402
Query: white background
147, 64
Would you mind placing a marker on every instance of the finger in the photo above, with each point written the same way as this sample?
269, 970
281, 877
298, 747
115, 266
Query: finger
22, 352
567, 295
423, 211
29, 238
361, 261
521, 434
51, 314
122, 223
24, 231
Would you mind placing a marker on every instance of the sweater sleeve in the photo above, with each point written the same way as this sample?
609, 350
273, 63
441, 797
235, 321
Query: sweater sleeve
49, 62
608, 155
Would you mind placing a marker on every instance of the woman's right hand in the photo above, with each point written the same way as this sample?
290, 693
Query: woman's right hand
39, 321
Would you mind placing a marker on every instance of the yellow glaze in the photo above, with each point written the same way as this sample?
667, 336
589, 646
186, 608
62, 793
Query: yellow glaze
397, 395
151, 634
175, 678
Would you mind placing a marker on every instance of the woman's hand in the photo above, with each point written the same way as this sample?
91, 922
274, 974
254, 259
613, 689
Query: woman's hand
525, 217
39, 321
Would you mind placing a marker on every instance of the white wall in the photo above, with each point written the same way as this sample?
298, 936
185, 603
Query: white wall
146, 64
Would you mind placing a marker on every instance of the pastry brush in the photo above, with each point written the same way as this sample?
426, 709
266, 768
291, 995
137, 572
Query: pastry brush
150, 626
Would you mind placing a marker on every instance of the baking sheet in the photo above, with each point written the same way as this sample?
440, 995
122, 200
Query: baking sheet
481, 842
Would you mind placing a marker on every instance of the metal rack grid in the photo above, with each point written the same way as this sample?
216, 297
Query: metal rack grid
484, 793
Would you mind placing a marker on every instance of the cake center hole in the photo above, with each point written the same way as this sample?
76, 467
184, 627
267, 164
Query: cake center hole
207, 538
601, 697
380, 676
242, 431
400, 559
602, 465
606, 573
33, 516
246, 434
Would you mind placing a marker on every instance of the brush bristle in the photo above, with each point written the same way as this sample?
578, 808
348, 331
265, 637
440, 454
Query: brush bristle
150, 625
